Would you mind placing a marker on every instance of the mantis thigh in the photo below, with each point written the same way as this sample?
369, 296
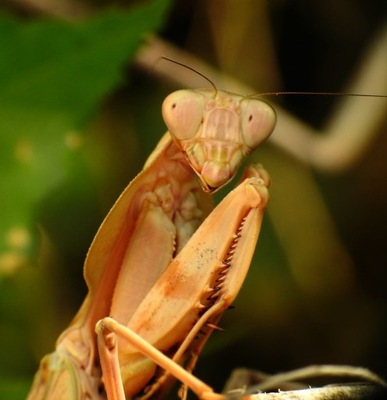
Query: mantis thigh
163, 205
205, 276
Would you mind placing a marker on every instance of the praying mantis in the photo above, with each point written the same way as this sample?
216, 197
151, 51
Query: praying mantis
165, 265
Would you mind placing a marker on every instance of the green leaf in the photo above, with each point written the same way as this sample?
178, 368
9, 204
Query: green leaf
53, 76
14, 389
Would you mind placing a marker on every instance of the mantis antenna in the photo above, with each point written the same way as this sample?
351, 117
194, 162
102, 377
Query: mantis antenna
281, 93
319, 94
193, 70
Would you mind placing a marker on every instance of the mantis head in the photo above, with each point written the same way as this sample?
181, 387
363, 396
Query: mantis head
216, 131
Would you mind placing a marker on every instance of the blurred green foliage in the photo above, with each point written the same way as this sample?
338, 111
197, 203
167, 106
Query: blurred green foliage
53, 78
53, 75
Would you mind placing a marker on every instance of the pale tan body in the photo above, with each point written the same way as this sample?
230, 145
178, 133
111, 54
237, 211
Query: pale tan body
154, 265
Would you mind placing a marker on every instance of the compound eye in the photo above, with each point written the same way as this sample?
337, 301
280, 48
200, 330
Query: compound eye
257, 121
183, 112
